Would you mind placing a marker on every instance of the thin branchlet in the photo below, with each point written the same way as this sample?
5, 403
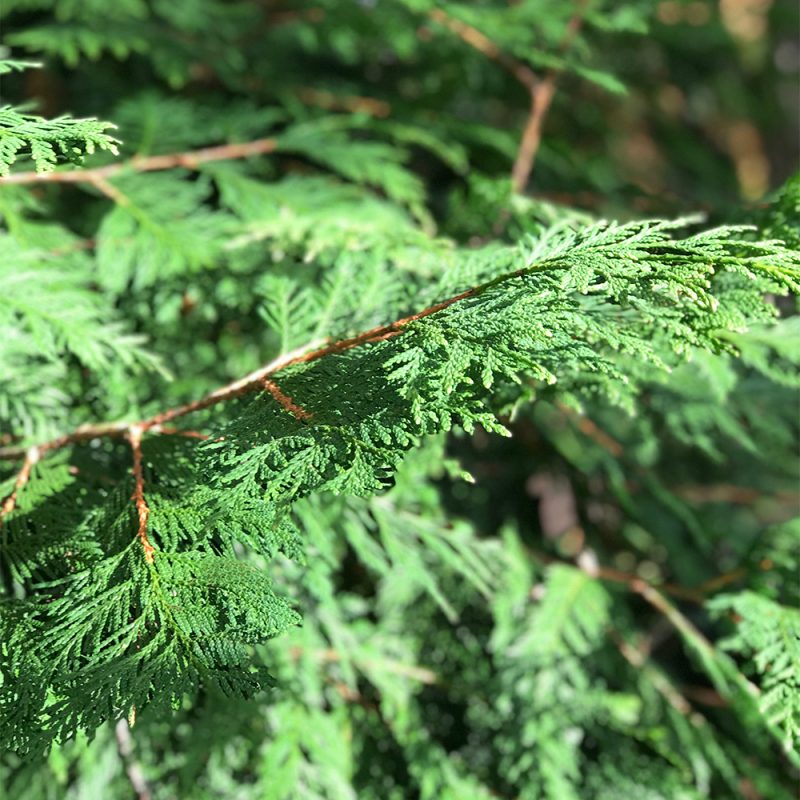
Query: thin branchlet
189, 159
253, 381
32, 456
134, 437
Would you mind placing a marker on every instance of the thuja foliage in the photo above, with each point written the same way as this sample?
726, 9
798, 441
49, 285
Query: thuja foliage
337, 462
47, 141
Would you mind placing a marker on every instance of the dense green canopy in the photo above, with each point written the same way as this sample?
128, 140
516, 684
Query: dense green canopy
348, 450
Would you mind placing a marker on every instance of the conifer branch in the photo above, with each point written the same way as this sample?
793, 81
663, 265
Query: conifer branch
725, 676
162, 577
189, 160
254, 381
134, 436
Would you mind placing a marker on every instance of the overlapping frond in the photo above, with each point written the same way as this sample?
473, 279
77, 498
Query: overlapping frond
335, 464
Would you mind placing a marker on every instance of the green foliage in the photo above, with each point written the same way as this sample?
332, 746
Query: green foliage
769, 633
51, 325
47, 141
510, 515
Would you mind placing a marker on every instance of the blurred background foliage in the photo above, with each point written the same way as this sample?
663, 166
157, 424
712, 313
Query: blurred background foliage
489, 637
699, 111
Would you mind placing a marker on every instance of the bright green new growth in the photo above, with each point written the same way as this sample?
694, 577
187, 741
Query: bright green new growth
47, 141
769, 634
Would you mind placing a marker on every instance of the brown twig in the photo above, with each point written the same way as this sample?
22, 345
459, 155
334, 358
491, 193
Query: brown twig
32, 455
726, 578
705, 696
589, 565
542, 94
80, 244
133, 769
541, 91
190, 160
634, 583
639, 660
253, 381
286, 17
82, 433
331, 656
651, 592
738, 495
592, 430
541, 98
109, 190
688, 631
298, 412
356, 104
483, 44
170, 431
134, 436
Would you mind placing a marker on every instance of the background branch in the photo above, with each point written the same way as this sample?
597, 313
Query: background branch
483, 44
133, 769
542, 94
254, 381
189, 159
142, 510
32, 455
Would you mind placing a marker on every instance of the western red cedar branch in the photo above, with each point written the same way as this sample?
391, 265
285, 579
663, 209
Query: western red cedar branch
541, 92
254, 381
